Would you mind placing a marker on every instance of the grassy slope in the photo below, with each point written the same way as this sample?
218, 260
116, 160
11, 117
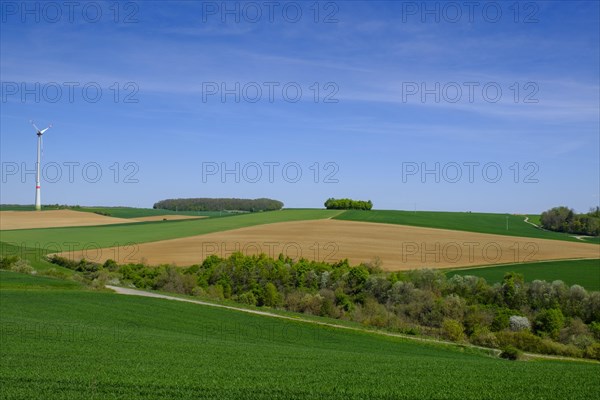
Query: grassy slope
79, 344
582, 272
471, 222
35, 256
112, 235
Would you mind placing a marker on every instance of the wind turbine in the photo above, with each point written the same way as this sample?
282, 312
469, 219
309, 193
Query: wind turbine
38, 201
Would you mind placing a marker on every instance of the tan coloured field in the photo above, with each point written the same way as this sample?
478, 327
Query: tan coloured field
166, 218
398, 247
53, 218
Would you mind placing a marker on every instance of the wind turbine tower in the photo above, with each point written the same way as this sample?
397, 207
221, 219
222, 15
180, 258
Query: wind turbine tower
38, 200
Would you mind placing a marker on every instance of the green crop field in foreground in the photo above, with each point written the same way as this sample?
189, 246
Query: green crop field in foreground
461, 221
141, 232
581, 272
75, 344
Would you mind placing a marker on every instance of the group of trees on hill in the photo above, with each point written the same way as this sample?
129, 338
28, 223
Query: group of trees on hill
348, 204
543, 317
210, 204
564, 219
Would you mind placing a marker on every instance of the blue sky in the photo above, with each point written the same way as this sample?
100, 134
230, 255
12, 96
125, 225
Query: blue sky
366, 131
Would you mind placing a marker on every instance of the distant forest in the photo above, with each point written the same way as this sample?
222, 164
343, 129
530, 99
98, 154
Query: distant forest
348, 204
210, 204
564, 219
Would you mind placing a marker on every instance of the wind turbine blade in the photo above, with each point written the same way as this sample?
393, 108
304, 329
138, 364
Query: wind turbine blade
42, 132
36, 128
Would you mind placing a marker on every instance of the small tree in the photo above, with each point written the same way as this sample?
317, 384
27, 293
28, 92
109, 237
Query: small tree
518, 323
453, 330
512, 286
511, 353
550, 322
247, 298
270, 296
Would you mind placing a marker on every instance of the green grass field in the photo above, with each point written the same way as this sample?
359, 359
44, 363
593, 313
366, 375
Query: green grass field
581, 272
62, 342
129, 212
141, 232
15, 281
461, 221
118, 212
23, 207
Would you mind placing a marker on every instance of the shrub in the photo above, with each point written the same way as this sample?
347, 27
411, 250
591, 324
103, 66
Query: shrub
511, 353
484, 337
523, 340
577, 333
401, 292
343, 301
375, 314
412, 330
518, 323
477, 318
293, 300
512, 289
527, 341
247, 298
171, 280
453, 330
7, 262
63, 262
54, 273
22, 266
581, 341
595, 329
270, 297
548, 346
501, 319
593, 351
110, 265
216, 291
100, 281
592, 307
311, 304
328, 308
356, 278
550, 322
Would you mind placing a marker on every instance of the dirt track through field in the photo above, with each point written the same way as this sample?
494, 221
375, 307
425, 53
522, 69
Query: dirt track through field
398, 247
54, 218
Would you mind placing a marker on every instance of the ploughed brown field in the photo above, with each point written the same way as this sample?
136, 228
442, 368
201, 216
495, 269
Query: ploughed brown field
398, 247
166, 218
53, 218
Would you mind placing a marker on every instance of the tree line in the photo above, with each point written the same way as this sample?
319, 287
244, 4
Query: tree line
347, 204
542, 317
215, 204
564, 219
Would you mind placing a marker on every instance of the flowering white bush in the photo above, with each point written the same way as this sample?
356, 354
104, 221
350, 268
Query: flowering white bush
518, 323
